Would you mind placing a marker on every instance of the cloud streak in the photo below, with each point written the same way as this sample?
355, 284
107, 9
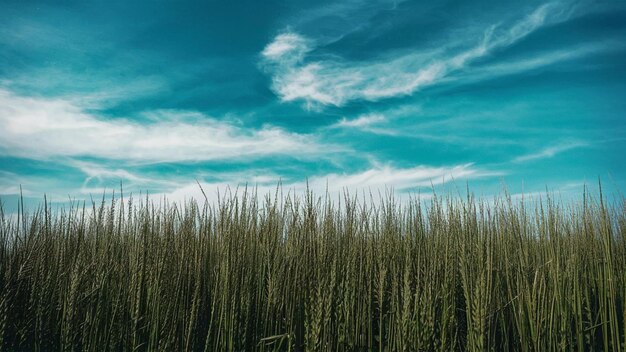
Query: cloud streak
337, 82
550, 152
39, 128
379, 178
361, 121
532, 63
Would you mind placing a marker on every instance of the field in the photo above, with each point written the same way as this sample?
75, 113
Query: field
304, 272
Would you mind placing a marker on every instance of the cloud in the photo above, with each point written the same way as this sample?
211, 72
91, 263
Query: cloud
9, 182
400, 179
331, 21
378, 178
97, 171
39, 128
361, 121
561, 191
531, 63
29, 184
288, 46
337, 82
551, 151
370, 123
99, 177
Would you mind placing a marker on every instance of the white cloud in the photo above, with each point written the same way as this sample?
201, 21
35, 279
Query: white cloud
43, 128
531, 63
551, 151
331, 21
361, 121
336, 82
9, 183
370, 123
99, 177
287, 45
379, 178
560, 191
99, 172
12, 183
400, 179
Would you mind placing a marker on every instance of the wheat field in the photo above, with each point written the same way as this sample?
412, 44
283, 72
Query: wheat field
307, 272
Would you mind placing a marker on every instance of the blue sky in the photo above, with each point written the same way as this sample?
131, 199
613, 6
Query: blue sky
351, 94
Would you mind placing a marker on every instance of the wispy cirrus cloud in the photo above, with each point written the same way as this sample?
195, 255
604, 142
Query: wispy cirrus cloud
400, 178
99, 174
378, 178
361, 121
288, 47
40, 128
330, 22
535, 62
374, 123
336, 82
10, 182
551, 151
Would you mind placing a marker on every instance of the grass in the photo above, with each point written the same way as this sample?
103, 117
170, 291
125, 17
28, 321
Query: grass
291, 274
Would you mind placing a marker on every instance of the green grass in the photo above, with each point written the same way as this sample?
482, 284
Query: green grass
289, 273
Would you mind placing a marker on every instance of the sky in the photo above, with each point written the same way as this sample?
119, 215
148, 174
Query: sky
161, 96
